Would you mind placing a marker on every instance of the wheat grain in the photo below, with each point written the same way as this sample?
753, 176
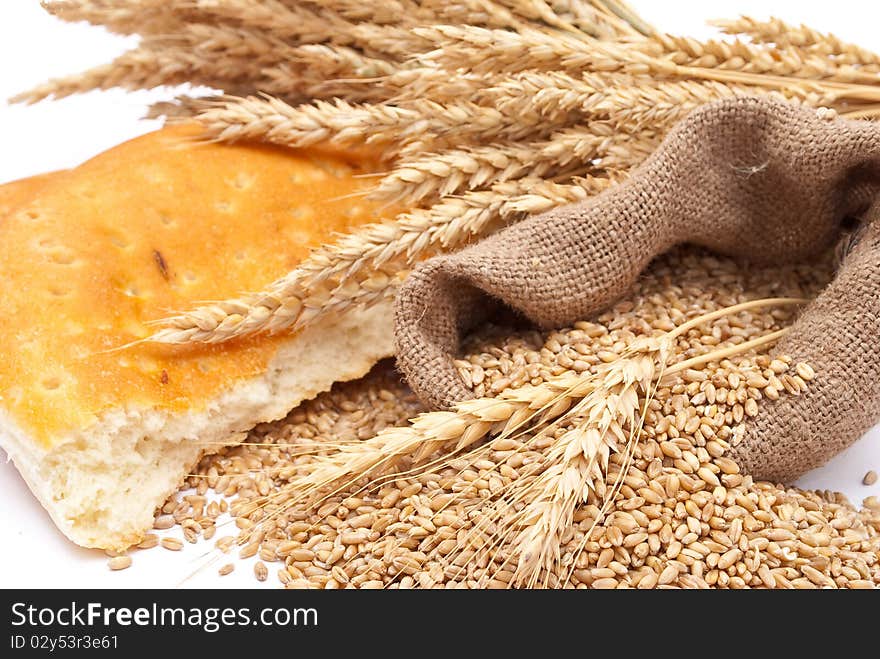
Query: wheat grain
681, 503
150, 540
483, 50
579, 460
321, 71
554, 96
513, 411
392, 11
611, 149
660, 105
486, 50
496, 95
330, 62
163, 522
172, 544
119, 563
481, 12
429, 82
567, 153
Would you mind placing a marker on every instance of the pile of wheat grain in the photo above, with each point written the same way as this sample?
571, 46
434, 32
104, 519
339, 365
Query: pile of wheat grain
486, 110
679, 515
597, 457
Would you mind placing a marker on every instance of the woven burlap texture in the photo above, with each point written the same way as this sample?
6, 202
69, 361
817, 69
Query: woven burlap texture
753, 178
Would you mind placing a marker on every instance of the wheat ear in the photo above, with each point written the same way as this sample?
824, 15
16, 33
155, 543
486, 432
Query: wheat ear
776, 31
611, 423
533, 513
124, 16
364, 267
445, 173
579, 459
535, 411
514, 412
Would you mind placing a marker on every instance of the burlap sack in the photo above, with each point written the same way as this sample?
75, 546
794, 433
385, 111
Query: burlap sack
747, 177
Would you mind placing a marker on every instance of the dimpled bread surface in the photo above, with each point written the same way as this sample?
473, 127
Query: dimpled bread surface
179, 221
17, 192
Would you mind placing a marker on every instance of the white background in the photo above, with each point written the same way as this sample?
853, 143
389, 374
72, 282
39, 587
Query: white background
54, 135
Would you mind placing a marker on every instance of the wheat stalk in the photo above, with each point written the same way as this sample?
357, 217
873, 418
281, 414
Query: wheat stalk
123, 16
166, 62
418, 124
389, 12
426, 82
481, 50
597, 20
533, 514
601, 405
365, 266
486, 50
449, 172
337, 122
136, 69
579, 459
515, 411
463, 99
555, 96
739, 55
300, 24
778, 32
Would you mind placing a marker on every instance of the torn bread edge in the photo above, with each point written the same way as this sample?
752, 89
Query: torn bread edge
102, 485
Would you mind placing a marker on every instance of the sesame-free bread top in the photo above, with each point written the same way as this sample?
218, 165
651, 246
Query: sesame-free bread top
148, 228
18, 192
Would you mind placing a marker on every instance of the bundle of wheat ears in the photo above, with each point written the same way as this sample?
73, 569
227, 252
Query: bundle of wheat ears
485, 111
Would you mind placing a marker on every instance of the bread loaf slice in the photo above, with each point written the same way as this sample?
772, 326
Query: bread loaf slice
89, 257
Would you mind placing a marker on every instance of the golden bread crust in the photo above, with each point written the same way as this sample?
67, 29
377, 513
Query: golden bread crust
14, 193
150, 227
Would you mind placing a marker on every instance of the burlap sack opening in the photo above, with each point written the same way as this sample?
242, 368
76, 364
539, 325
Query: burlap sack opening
752, 178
